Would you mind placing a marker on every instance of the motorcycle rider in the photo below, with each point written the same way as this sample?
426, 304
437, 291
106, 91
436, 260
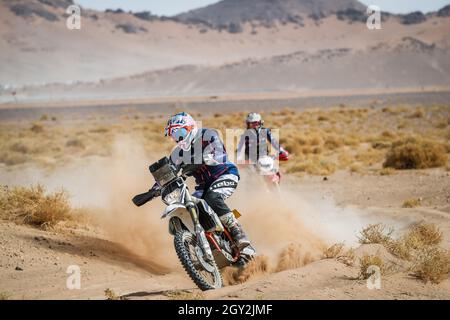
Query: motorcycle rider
253, 144
202, 153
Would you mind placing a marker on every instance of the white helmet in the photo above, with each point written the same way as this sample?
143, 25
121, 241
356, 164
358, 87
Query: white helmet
254, 120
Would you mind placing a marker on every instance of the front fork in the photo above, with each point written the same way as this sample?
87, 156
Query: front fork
199, 231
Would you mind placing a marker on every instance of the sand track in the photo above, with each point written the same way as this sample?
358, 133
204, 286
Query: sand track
44, 257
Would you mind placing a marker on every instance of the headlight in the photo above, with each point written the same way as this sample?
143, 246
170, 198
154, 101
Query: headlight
172, 197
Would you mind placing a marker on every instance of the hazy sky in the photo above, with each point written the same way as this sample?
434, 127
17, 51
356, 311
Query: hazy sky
172, 7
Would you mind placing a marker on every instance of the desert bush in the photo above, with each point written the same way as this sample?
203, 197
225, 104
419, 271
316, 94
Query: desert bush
313, 167
387, 135
432, 265
314, 140
351, 141
356, 168
347, 258
333, 251
376, 233
184, 295
371, 260
286, 112
417, 114
76, 143
111, 295
293, 147
32, 206
419, 236
370, 157
423, 234
12, 158
400, 249
441, 125
411, 153
37, 128
4, 296
19, 147
386, 171
99, 130
332, 142
412, 203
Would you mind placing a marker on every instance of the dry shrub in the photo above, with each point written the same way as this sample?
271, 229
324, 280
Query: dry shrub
37, 128
348, 258
75, 143
370, 157
345, 159
379, 145
32, 206
412, 153
423, 234
386, 171
412, 203
315, 140
420, 236
286, 112
12, 158
376, 233
111, 295
4, 296
441, 125
332, 142
387, 135
368, 261
418, 114
393, 111
402, 125
19, 147
356, 168
313, 167
99, 130
447, 147
400, 249
351, 141
184, 295
432, 265
333, 252
293, 147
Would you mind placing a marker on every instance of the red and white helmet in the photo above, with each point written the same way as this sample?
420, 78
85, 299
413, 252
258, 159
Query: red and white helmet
254, 120
183, 129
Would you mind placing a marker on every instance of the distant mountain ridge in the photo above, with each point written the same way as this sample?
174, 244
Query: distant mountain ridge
236, 12
292, 37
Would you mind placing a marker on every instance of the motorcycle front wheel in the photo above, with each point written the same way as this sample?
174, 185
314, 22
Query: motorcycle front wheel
185, 247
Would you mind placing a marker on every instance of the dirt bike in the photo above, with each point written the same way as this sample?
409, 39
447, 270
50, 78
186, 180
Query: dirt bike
202, 243
267, 169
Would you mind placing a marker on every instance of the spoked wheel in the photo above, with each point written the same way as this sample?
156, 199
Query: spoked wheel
188, 252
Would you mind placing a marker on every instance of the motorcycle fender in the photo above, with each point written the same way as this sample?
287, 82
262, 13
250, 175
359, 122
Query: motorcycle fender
179, 211
171, 209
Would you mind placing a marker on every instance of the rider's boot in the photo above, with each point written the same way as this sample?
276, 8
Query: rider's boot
238, 235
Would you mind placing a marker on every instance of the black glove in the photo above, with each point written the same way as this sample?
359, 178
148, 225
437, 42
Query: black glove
143, 198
